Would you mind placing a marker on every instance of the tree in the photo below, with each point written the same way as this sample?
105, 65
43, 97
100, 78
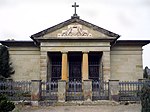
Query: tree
6, 69
145, 74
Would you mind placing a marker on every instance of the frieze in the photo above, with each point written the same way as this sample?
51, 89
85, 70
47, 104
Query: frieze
74, 31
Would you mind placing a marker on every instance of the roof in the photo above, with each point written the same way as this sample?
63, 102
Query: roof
118, 42
18, 43
132, 42
73, 20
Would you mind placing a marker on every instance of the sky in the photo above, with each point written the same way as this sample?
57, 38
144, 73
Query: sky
19, 19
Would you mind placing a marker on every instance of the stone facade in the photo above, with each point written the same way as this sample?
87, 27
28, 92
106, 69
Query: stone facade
119, 60
126, 63
26, 63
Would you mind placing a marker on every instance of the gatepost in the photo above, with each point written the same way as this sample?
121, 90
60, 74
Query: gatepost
87, 90
35, 92
114, 90
61, 91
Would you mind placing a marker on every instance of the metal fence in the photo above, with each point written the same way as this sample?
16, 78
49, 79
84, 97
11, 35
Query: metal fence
15, 91
74, 90
130, 91
49, 90
100, 90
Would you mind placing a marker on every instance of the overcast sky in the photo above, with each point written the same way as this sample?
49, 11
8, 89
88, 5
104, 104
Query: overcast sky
19, 19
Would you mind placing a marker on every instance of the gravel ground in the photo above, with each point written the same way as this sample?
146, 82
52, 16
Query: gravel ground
96, 108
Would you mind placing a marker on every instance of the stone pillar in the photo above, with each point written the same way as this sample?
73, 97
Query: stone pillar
35, 92
64, 75
87, 90
114, 90
85, 70
61, 91
106, 65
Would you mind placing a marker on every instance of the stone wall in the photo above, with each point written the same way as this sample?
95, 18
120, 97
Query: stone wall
26, 63
126, 63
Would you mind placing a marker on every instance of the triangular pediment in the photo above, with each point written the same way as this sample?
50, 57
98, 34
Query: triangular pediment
74, 28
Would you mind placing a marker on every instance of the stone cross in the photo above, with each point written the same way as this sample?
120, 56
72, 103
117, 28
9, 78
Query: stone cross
75, 6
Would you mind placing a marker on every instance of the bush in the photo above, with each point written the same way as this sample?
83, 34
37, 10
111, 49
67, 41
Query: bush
145, 97
5, 105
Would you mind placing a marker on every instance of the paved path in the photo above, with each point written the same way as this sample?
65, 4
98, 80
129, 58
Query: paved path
98, 108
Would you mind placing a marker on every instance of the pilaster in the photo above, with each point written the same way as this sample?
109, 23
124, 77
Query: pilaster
106, 65
43, 65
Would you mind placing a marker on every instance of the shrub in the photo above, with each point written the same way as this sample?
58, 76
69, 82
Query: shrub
145, 97
5, 105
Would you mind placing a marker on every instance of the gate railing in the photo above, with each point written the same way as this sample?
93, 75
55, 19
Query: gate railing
74, 90
100, 90
130, 91
15, 91
49, 90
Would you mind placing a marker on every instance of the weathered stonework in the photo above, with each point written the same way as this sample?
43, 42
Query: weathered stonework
114, 90
61, 91
87, 90
126, 63
26, 63
106, 65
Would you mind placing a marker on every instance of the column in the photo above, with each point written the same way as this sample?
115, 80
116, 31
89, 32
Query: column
85, 74
64, 74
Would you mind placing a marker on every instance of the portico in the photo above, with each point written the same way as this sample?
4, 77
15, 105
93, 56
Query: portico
71, 66
76, 63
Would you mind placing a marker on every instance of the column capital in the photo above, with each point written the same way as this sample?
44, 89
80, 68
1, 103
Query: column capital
64, 52
85, 52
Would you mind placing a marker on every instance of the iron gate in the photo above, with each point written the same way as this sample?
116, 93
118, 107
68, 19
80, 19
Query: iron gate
74, 90
49, 90
100, 90
74, 71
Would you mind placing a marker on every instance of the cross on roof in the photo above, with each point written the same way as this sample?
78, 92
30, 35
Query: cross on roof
75, 6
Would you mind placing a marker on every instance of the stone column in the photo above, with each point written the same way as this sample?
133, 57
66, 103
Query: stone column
114, 90
87, 90
85, 70
64, 75
61, 91
35, 92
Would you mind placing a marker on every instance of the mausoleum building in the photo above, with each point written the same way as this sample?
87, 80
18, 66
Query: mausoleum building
76, 50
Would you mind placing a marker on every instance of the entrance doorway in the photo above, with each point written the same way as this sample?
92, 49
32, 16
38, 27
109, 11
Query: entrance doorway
75, 59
